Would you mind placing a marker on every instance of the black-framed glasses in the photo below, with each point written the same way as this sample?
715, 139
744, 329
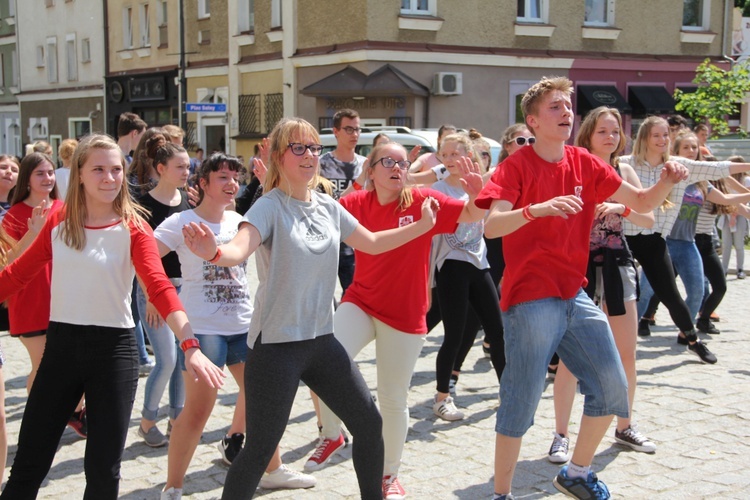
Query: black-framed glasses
299, 148
522, 141
351, 130
486, 155
389, 163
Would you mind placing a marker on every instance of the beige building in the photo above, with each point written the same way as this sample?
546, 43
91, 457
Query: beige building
415, 63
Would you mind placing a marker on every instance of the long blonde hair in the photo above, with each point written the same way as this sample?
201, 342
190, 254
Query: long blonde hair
280, 137
405, 197
76, 212
641, 141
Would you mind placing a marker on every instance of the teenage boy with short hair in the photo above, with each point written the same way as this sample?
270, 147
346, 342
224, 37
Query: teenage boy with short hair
130, 128
542, 202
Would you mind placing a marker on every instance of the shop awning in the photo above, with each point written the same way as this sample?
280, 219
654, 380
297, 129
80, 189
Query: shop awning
650, 100
589, 97
350, 82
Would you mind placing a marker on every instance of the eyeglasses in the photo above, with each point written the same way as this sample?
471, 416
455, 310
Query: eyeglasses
521, 140
389, 163
299, 149
485, 154
351, 130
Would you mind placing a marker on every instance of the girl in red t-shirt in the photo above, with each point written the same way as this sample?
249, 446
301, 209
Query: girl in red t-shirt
29, 308
388, 298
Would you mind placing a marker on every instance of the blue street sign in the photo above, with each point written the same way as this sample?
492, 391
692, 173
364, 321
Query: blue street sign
199, 107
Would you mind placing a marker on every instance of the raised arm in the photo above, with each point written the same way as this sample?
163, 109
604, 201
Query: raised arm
639, 219
383, 241
645, 200
719, 198
200, 240
503, 220
35, 224
472, 182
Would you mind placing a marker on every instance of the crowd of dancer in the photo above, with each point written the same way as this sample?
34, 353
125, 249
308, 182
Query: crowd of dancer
541, 252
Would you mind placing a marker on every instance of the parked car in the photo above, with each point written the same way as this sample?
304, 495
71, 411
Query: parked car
427, 138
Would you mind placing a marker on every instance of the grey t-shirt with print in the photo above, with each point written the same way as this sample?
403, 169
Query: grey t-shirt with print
297, 262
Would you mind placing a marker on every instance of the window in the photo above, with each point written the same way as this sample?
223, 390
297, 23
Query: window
532, 11
78, 127
518, 89
275, 14
2, 70
162, 19
127, 28
419, 7
52, 60
144, 23
72, 58
246, 16
40, 56
695, 14
599, 13
204, 9
86, 50
11, 9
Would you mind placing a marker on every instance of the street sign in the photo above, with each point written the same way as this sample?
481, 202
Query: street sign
201, 107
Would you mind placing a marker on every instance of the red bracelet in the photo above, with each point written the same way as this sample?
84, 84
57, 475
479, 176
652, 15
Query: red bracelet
626, 212
356, 185
526, 212
216, 257
189, 344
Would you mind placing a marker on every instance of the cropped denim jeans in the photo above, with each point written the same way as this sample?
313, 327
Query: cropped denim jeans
580, 333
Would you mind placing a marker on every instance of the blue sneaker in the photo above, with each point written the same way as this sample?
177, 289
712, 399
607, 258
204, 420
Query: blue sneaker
588, 489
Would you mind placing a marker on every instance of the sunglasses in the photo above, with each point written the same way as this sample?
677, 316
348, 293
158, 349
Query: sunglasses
521, 140
351, 130
299, 149
389, 163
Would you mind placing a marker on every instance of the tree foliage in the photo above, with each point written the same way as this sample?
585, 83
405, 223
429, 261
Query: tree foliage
744, 5
718, 95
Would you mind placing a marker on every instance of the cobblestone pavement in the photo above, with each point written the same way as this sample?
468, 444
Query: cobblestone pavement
699, 416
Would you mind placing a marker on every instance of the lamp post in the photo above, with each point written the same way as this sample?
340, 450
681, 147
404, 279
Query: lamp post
183, 79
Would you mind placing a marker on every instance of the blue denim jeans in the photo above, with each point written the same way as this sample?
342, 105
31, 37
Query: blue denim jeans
220, 349
580, 333
165, 371
688, 266
140, 341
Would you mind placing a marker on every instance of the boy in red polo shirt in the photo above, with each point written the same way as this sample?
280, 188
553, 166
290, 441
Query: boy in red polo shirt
542, 201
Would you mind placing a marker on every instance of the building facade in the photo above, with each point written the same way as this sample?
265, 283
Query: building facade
61, 61
10, 123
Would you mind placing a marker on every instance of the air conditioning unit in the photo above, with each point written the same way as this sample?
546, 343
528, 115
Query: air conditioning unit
447, 84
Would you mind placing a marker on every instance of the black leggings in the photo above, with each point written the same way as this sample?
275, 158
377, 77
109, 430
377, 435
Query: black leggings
272, 376
714, 271
651, 252
461, 286
103, 363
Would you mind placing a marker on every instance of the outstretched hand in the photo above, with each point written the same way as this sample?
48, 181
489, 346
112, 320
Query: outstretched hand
38, 217
471, 177
200, 240
265, 150
414, 153
561, 206
430, 207
674, 172
260, 170
200, 367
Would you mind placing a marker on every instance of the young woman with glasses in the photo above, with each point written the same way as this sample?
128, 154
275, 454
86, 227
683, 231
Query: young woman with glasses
296, 232
387, 300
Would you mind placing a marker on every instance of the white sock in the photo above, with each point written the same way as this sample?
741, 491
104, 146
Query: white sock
575, 471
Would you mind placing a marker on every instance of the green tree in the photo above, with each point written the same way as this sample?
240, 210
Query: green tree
718, 95
744, 5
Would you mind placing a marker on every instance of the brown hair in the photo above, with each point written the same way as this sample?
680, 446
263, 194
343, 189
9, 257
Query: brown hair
537, 91
213, 164
75, 212
344, 113
683, 136
129, 122
174, 132
509, 134
405, 197
588, 126
23, 185
142, 164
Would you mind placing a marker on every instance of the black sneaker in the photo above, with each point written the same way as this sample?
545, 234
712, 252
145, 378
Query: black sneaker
700, 350
643, 328
589, 488
682, 340
230, 447
706, 326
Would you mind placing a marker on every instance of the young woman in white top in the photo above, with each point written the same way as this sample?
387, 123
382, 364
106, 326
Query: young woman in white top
96, 245
296, 232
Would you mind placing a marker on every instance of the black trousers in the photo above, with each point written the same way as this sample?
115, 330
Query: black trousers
103, 363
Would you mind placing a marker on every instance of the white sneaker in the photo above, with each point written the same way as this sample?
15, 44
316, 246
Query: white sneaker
558, 452
284, 477
446, 409
172, 494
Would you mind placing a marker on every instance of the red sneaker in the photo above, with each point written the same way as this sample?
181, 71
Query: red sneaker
392, 489
78, 423
326, 449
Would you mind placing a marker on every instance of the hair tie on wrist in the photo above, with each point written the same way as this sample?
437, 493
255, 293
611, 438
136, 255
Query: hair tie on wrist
526, 212
216, 257
626, 212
